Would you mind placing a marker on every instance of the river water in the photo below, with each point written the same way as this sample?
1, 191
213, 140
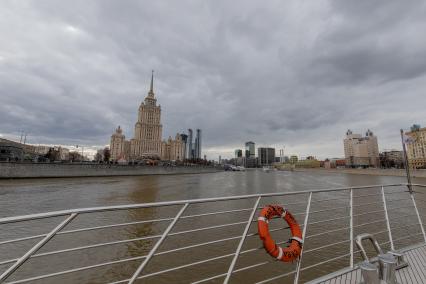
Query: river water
19, 197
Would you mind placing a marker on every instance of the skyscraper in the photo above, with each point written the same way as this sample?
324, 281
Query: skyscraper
190, 150
197, 148
266, 156
250, 150
184, 138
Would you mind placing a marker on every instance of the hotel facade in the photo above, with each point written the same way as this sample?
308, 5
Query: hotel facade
147, 141
361, 151
416, 150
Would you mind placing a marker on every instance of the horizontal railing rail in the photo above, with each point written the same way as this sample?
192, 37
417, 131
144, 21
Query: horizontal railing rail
180, 202
345, 219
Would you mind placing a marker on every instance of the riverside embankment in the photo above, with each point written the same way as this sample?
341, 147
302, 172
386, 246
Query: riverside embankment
47, 170
375, 172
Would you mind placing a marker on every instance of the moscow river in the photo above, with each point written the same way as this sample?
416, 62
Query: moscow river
27, 196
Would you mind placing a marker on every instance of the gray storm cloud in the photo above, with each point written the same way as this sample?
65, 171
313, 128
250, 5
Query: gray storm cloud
292, 73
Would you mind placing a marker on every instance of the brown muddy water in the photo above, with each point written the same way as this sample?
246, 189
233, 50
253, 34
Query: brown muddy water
20, 197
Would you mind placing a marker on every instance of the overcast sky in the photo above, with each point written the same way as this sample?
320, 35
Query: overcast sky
294, 73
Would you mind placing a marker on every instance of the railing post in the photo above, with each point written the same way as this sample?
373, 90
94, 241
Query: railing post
240, 245
387, 219
305, 225
418, 216
157, 244
35, 248
351, 225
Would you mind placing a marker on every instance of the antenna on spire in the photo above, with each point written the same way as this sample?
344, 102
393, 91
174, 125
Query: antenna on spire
151, 90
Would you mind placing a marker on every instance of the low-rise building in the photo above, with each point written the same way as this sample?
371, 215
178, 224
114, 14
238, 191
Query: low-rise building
308, 163
250, 162
17, 151
11, 153
392, 159
334, 163
63, 153
42, 150
293, 159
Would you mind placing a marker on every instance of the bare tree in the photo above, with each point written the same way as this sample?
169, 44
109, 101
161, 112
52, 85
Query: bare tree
107, 154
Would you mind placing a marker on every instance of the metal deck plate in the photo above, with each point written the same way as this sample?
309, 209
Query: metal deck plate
415, 273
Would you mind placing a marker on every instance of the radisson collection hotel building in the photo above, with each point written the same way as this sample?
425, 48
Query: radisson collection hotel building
147, 141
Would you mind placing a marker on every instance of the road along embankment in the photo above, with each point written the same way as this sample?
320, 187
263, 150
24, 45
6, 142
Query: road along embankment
47, 170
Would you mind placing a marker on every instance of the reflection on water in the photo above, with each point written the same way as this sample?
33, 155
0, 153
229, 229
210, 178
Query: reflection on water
20, 197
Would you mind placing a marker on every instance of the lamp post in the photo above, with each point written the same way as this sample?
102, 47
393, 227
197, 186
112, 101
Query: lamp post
407, 166
82, 152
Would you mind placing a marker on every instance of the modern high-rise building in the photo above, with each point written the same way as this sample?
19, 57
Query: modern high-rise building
197, 147
250, 150
194, 146
190, 152
266, 156
184, 139
238, 153
416, 149
361, 151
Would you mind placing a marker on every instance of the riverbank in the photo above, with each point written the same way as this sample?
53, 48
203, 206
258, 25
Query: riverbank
374, 172
53, 170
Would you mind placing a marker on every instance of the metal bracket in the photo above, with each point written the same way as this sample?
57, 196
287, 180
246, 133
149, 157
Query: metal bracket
388, 263
360, 238
400, 262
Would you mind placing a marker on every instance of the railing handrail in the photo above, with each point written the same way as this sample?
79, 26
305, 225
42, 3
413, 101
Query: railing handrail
59, 213
72, 213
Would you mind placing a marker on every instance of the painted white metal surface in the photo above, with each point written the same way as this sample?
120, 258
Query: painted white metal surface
356, 197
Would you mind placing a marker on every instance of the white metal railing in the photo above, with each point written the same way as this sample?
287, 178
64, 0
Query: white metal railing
354, 202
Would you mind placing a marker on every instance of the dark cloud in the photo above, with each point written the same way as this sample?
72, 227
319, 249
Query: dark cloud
283, 73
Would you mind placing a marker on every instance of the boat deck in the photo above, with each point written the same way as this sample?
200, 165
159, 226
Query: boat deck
414, 273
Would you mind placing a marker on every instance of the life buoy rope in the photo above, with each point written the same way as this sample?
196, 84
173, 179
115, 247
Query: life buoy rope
292, 251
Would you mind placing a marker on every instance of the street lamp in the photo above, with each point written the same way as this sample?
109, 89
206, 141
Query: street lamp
82, 152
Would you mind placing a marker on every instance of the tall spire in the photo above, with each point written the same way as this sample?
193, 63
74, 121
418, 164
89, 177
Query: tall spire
151, 89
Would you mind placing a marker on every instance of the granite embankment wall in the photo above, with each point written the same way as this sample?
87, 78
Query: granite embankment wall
376, 172
42, 170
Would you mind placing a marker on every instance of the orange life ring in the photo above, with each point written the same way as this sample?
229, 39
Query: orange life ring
292, 251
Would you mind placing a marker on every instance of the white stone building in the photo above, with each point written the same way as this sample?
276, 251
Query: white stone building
117, 145
416, 150
147, 141
361, 151
173, 150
